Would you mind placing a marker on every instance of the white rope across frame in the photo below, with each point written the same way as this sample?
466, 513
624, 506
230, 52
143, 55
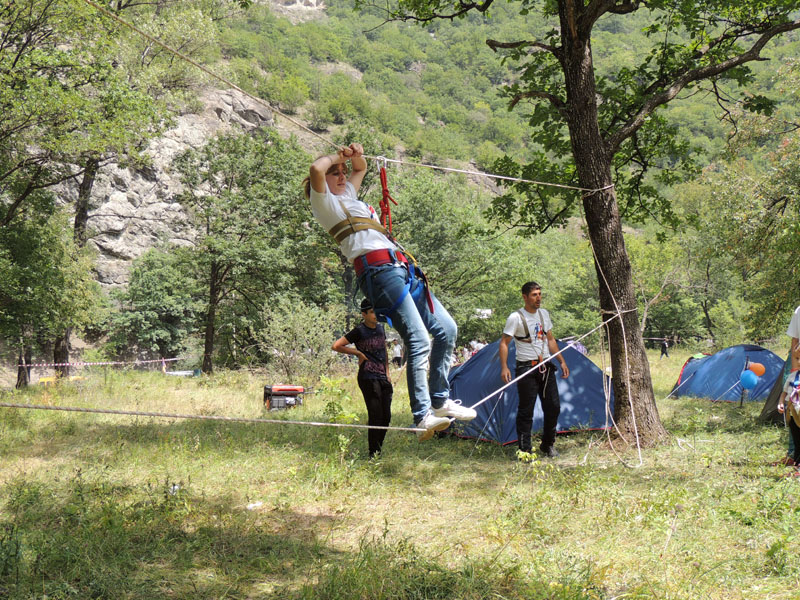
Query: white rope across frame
136, 413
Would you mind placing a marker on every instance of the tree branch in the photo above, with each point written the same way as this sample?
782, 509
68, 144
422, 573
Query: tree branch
460, 8
598, 8
557, 103
538, 46
673, 88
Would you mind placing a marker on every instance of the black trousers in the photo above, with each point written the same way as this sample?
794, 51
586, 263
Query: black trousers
378, 398
795, 431
544, 386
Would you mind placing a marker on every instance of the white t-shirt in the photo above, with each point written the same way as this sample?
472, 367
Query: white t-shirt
539, 324
327, 209
794, 325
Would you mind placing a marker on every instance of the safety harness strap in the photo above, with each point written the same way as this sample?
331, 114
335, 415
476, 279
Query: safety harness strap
351, 224
527, 336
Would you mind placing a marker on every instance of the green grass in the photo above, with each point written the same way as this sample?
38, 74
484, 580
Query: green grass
102, 506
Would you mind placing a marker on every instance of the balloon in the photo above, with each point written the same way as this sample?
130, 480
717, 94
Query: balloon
748, 380
757, 368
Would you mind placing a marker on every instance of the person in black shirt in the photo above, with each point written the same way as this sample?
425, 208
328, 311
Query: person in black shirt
369, 340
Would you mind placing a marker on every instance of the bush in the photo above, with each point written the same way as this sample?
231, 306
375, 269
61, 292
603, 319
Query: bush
297, 337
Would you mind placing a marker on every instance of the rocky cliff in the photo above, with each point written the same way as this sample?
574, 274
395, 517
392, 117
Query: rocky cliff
134, 210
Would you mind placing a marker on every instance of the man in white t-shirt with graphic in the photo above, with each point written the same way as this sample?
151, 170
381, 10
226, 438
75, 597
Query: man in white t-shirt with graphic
532, 331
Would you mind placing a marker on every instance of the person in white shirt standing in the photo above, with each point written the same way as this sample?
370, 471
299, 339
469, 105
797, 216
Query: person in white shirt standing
395, 287
532, 330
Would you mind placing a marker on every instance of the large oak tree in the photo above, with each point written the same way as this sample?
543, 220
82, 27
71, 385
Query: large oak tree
602, 130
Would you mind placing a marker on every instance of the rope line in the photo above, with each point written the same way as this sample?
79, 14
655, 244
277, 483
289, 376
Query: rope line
588, 191
136, 413
680, 386
627, 369
209, 72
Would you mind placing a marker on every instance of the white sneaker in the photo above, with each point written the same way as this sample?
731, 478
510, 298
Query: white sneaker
453, 408
431, 424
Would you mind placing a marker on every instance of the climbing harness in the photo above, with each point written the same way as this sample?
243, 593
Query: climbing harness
350, 225
527, 339
416, 282
365, 265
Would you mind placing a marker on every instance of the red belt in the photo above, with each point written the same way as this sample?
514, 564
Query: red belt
377, 258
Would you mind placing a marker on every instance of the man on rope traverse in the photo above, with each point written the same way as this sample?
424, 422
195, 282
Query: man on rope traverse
395, 287
532, 329
369, 340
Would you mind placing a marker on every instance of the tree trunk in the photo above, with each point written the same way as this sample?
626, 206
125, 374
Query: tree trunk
61, 354
349, 281
211, 317
61, 347
82, 204
23, 370
635, 409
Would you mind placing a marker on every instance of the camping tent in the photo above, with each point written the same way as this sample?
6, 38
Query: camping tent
581, 394
689, 367
769, 413
717, 376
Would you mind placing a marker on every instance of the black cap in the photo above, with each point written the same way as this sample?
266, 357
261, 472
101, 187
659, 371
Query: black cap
366, 305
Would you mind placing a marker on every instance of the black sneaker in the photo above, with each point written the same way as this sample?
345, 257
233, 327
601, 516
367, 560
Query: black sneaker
549, 452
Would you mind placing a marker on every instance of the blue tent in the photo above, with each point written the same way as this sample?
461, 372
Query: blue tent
581, 394
717, 376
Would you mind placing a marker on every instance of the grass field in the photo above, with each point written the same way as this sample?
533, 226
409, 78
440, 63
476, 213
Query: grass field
103, 506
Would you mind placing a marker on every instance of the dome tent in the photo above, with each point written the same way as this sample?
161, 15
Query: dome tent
716, 376
581, 395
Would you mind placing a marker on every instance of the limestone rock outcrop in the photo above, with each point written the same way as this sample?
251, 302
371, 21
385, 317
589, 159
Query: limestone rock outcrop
133, 210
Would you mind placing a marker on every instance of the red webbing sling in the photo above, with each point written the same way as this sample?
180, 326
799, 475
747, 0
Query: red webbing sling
386, 208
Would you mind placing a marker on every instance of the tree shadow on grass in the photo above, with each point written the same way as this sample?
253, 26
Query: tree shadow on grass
93, 539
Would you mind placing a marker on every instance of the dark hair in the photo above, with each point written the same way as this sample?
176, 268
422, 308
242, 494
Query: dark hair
366, 305
529, 287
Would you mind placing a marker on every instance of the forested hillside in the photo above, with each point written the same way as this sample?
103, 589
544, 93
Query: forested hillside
718, 267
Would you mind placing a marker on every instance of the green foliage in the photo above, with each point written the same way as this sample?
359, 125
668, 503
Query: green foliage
337, 397
61, 97
242, 192
154, 70
159, 308
46, 282
296, 337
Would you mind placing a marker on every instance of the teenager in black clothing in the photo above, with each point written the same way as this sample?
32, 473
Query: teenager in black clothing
369, 340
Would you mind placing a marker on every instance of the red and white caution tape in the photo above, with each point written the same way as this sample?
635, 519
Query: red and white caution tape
109, 362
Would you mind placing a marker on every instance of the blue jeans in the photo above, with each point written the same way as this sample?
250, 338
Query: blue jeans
413, 320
